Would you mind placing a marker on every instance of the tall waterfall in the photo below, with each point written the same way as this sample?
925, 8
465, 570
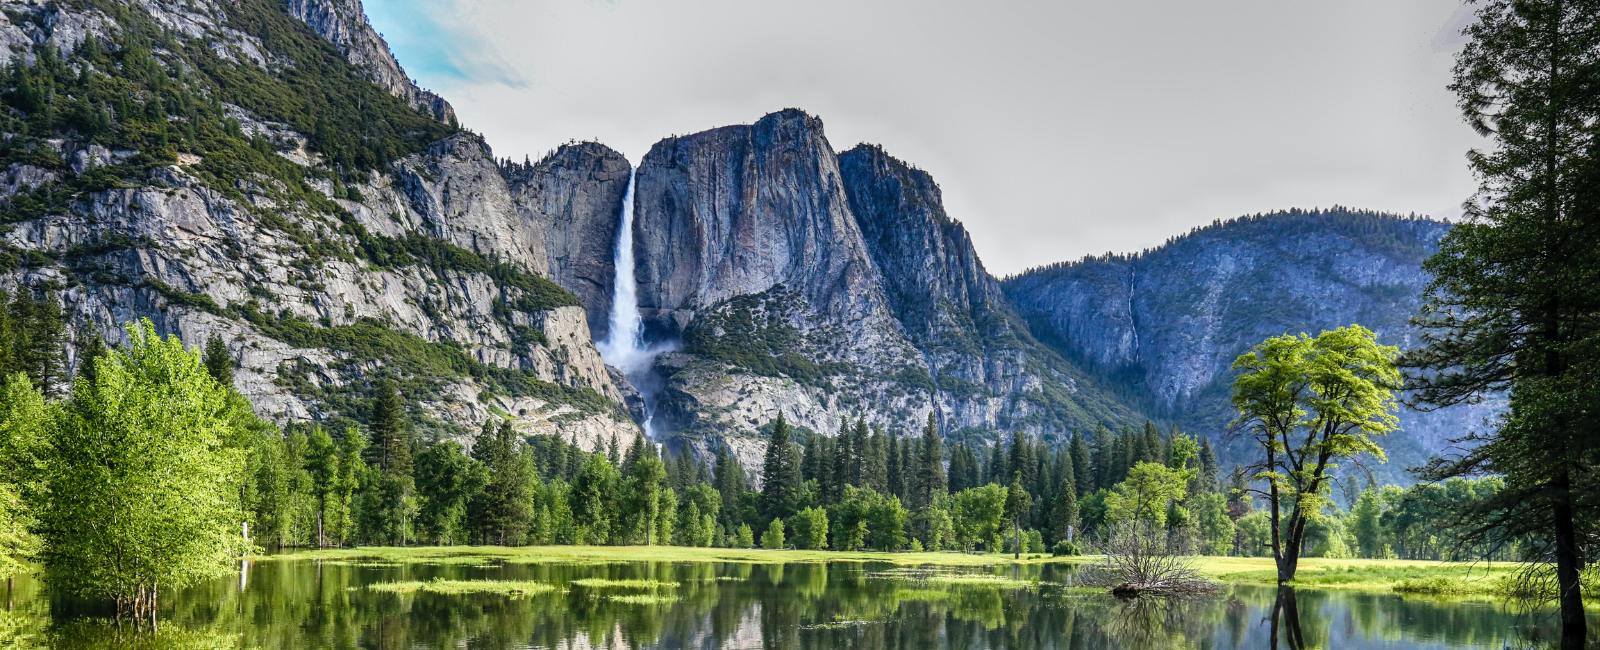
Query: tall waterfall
624, 347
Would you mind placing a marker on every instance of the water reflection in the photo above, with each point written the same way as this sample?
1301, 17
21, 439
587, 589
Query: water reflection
305, 604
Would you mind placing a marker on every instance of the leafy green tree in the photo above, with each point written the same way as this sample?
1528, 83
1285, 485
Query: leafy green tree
780, 475
743, 537
24, 417
120, 523
219, 362
1364, 520
773, 538
644, 493
1308, 403
977, 514
810, 529
1215, 528
1147, 494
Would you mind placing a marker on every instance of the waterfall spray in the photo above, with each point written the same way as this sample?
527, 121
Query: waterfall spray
624, 347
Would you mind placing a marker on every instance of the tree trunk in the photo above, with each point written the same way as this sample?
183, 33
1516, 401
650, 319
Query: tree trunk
1277, 534
1016, 537
1574, 627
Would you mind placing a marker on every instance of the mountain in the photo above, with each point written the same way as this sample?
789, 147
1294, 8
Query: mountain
269, 174
829, 286
1163, 326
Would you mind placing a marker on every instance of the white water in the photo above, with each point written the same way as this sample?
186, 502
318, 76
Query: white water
624, 347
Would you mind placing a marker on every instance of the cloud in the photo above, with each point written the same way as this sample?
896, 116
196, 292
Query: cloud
443, 42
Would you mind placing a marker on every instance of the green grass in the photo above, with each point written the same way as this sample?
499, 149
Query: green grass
611, 554
457, 587
1362, 574
644, 599
601, 583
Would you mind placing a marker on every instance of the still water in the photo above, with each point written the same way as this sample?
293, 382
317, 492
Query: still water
326, 604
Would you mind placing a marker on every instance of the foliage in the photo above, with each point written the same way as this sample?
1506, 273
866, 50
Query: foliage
143, 490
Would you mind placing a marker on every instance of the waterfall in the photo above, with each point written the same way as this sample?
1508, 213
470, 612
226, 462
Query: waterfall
625, 348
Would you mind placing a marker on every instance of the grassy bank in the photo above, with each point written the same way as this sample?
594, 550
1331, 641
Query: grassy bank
541, 554
1419, 576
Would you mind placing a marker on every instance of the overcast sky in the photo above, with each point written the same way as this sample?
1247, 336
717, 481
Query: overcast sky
1055, 128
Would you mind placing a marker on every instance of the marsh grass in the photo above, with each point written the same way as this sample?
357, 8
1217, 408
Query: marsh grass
939, 577
603, 583
921, 594
1360, 574
644, 599
516, 588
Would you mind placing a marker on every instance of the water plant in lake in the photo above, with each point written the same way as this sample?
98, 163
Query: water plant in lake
457, 587
600, 583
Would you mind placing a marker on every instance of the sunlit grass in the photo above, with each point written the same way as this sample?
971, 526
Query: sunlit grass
1363, 574
921, 594
933, 576
457, 587
600, 583
644, 599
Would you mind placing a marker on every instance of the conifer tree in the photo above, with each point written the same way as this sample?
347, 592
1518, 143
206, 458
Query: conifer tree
860, 452
1207, 481
1021, 460
391, 433
504, 506
1063, 509
897, 477
930, 466
842, 457
958, 468
780, 476
995, 470
219, 363
90, 348
875, 472
614, 451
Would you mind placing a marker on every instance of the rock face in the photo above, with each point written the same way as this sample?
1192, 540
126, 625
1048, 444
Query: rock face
572, 200
827, 286
429, 269
344, 23
1167, 324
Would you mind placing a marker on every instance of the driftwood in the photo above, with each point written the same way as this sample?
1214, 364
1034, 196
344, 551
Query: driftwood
1141, 561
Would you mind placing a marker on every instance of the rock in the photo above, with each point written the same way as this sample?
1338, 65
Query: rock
344, 23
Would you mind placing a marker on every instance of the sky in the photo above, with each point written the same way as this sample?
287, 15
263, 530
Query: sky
1056, 129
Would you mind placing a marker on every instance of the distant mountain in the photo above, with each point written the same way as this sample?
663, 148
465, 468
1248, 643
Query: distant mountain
1163, 326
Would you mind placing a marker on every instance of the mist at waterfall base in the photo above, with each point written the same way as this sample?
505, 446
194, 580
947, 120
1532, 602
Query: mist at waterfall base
624, 347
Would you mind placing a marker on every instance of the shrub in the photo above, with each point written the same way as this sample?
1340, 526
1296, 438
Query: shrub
1064, 548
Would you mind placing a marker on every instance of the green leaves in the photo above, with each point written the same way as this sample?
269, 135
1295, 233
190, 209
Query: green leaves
143, 487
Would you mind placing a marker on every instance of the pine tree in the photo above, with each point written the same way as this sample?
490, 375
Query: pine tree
684, 472
1104, 448
780, 475
1151, 449
219, 363
1207, 481
391, 433
504, 505
958, 468
897, 477
729, 478
860, 452
40, 341
1021, 460
614, 451
842, 455
930, 466
92, 347
875, 473
995, 470
1063, 509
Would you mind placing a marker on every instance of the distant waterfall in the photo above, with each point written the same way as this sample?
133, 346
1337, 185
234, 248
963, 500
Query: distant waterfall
624, 347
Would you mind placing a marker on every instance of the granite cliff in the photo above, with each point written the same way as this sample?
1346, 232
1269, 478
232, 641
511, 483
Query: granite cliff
268, 174
1164, 325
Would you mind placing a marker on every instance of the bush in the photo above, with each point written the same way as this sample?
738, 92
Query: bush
1064, 548
773, 538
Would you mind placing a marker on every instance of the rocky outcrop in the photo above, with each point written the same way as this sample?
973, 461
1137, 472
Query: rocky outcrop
823, 286
572, 202
344, 23
1168, 323
320, 280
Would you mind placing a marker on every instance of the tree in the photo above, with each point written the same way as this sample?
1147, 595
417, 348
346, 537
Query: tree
743, 537
120, 522
1516, 288
591, 500
1064, 509
448, 479
1308, 403
646, 484
391, 433
810, 529
90, 349
503, 505
773, 538
1017, 505
24, 418
780, 488
930, 466
977, 514
39, 339
1146, 494
1364, 520
219, 362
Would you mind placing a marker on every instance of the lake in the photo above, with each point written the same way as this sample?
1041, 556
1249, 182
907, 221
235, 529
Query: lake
298, 603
